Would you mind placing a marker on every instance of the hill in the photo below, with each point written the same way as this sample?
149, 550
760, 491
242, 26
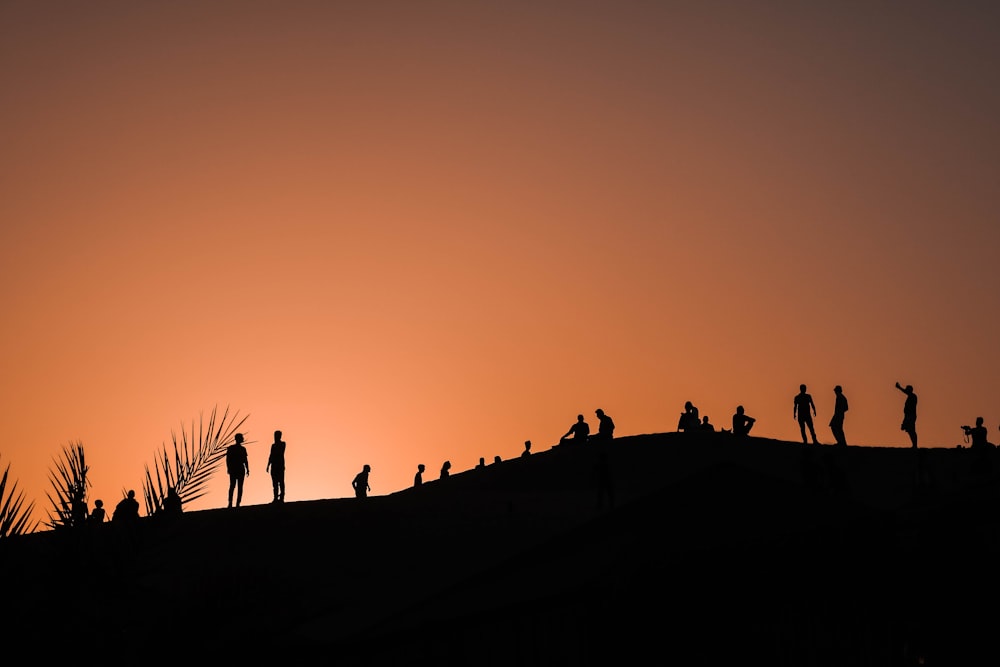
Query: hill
704, 550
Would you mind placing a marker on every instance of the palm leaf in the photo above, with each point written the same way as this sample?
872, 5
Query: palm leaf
69, 484
15, 517
188, 466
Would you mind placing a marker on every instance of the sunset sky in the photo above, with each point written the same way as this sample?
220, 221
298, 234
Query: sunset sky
405, 232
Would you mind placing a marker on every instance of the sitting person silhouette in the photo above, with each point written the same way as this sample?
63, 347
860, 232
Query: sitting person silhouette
706, 426
689, 420
527, 449
127, 509
172, 504
580, 431
446, 470
977, 434
97, 516
742, 422
418, 479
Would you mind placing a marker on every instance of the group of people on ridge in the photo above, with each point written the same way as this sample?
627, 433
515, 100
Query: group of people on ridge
690, 421
803, 411
238, 467
579, 432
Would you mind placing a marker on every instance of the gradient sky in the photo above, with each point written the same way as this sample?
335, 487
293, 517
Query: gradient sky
407, 232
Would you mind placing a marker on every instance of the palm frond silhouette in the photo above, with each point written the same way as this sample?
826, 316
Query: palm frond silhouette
69, 483
196, 455
15, 516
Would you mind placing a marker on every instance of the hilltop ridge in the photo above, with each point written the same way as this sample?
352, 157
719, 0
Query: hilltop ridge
703, 530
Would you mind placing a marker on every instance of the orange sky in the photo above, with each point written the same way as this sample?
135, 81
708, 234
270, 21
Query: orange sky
410, 232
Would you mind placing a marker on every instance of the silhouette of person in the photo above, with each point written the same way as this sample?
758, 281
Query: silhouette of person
497, 459
481, 464
97, 516
238, 467
360, 482
172, 504
127, 509
804, 410
418, 479
605, 427
706, 425
742, 422
978, 435
527, 449
580, 431
689, 420
909, 424
276, 466
446, 470
839, 412
981, 446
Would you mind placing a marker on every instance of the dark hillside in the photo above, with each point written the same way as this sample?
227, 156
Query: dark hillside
714, 552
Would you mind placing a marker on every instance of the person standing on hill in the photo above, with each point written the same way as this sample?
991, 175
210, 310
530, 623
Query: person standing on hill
360, 483
238, 467
839, 412
909, 424
804, 410
276, 466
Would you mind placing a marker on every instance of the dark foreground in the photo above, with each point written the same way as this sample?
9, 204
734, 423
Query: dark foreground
706, 552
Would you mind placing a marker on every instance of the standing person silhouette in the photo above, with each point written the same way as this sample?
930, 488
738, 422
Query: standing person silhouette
909, 424
276, 466
804, 410
839, 412
580, 431
360, 482
742, 422
238, 467
418, 479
